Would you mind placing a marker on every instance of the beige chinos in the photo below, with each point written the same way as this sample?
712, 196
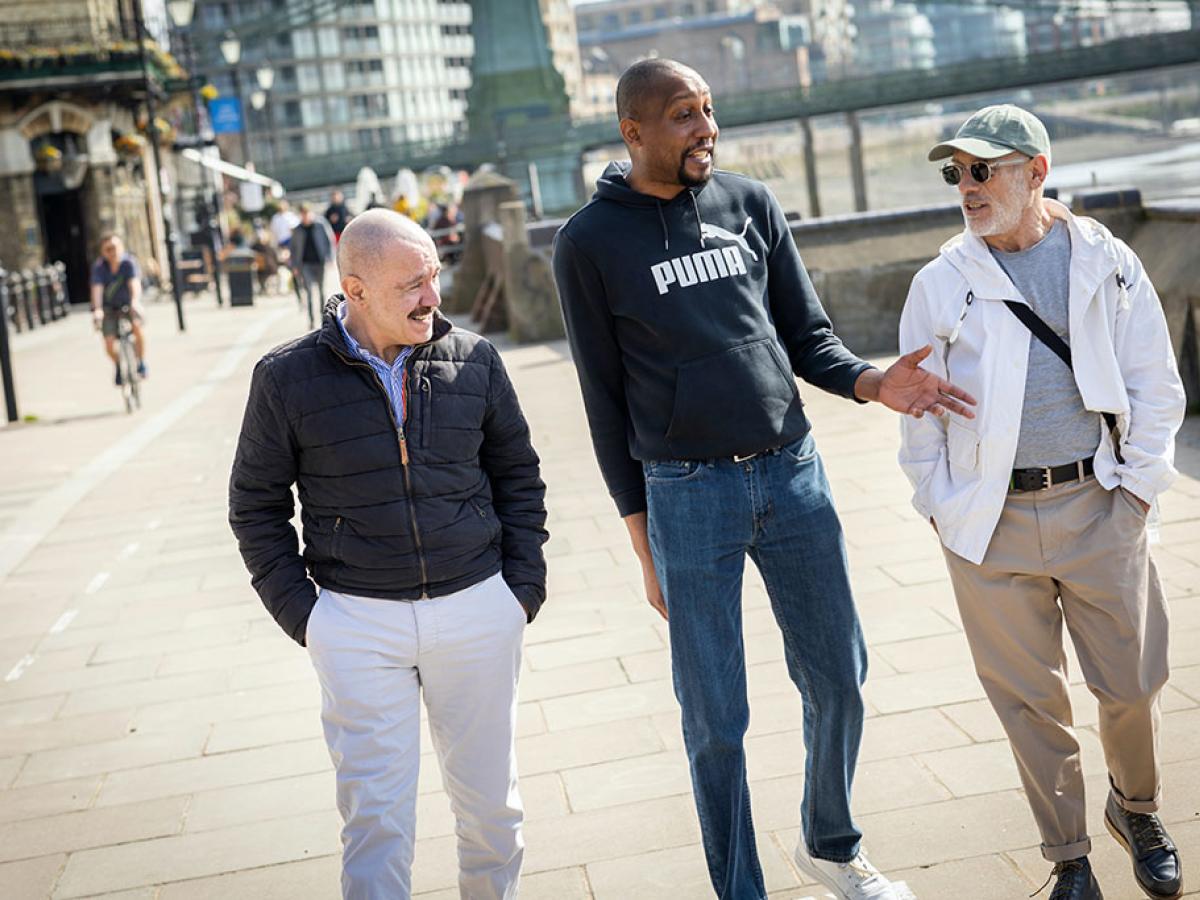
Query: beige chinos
1078, 553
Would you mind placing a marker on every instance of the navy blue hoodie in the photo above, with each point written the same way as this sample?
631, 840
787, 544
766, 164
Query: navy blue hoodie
687, 319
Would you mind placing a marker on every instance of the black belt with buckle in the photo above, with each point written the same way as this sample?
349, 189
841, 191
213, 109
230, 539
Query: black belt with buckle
1047, 476
746, 457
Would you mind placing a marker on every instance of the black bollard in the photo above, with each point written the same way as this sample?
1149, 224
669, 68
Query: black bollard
15, 286
26, 280
45, 291
59, 284
6, 374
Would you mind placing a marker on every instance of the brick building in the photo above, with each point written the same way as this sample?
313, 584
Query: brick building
73, 160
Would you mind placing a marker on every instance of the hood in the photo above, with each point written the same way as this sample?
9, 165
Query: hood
613, 186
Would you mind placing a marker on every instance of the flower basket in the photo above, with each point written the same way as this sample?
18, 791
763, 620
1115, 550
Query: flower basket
129, 145
48, 158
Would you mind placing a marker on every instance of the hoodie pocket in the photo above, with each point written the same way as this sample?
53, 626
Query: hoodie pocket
735, 401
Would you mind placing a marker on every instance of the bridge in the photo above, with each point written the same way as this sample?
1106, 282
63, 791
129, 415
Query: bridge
566, 140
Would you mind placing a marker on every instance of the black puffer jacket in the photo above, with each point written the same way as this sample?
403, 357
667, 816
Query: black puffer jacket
459, 501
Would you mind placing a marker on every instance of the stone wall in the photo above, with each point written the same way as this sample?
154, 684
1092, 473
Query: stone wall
862, 265
21, 237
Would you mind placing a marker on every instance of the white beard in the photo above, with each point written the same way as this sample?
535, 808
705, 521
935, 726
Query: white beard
1004, 215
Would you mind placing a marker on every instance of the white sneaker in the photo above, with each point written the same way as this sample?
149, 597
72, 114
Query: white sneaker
855, 880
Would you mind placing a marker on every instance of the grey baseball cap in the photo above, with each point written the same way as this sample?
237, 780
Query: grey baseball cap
995, 131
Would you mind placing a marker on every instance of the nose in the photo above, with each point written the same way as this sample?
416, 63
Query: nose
430, 297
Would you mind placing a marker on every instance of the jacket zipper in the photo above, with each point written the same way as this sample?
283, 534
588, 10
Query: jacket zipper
403, 442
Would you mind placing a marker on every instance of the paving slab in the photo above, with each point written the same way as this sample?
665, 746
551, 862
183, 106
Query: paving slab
160, 737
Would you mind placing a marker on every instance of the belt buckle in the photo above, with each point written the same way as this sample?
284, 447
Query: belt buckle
1030, 479
745, 457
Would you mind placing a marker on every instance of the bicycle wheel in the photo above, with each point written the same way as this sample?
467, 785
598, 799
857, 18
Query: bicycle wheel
129, 376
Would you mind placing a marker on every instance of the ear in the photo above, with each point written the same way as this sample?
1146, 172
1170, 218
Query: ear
631, 132
354, 289
1041, 168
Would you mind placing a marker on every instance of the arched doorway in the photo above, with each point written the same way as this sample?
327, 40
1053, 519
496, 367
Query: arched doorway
58, 188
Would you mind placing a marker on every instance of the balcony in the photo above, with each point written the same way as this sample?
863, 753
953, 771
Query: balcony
67, 53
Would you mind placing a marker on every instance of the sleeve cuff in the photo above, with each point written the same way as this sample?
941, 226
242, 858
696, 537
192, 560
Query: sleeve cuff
631, 501
857, 371
531, 597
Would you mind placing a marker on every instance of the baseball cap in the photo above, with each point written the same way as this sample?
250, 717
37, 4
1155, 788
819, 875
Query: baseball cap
995, 131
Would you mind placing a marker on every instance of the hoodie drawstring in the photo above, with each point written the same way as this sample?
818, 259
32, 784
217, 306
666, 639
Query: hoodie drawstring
663, 221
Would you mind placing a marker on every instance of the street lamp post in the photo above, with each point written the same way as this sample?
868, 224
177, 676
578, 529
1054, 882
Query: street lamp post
231, 51
261, 98
181, 12
152, 130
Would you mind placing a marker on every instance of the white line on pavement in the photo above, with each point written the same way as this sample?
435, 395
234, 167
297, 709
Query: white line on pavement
96, 583
153, 524
43, 515
63, 621
19, 669
129, 550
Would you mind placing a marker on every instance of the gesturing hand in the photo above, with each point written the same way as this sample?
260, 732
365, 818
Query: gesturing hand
909, 389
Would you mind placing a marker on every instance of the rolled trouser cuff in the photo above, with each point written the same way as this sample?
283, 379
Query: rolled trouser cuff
1135, 806
1063, 852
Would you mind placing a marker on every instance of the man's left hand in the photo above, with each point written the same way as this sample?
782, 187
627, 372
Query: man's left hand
909, 389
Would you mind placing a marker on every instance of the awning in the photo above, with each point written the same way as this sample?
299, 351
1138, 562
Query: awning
227, 168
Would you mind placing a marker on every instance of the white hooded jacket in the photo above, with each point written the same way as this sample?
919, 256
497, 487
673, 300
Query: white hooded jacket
1122, 360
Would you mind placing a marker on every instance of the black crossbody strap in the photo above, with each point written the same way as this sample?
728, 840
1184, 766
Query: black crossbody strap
1050, 338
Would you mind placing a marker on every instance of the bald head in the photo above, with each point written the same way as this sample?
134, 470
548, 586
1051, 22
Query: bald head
370, 234
647, 81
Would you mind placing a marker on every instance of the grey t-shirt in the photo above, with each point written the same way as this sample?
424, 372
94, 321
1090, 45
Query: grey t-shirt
1055, 426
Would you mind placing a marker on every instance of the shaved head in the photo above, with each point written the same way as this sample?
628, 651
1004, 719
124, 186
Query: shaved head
369, 235
645, 81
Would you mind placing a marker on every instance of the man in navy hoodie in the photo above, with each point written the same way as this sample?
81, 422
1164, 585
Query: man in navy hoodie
689, 312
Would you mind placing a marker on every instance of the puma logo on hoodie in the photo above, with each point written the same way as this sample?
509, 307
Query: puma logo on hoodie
695, 268
705, 265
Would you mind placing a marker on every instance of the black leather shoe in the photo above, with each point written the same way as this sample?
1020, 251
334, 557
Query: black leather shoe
1155, 859
1075, 881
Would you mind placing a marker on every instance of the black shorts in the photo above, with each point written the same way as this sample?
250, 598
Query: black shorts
112, 317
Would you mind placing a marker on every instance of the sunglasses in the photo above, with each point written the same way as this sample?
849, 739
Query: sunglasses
981, 171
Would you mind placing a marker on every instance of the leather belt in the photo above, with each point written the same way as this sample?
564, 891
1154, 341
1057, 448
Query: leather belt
745, 457
1038, 479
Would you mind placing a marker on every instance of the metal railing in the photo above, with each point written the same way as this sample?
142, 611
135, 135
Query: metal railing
557, 135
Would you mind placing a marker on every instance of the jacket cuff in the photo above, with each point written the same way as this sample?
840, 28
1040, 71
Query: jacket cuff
531, 597
631, 501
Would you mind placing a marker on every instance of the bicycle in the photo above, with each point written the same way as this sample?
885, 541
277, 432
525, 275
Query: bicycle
127, 362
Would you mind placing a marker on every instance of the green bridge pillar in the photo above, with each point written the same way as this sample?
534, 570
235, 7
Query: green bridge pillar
517, 104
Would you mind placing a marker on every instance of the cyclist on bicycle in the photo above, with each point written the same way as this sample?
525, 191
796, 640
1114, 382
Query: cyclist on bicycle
117, 291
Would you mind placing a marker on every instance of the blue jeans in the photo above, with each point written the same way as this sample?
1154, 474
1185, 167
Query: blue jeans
704, 518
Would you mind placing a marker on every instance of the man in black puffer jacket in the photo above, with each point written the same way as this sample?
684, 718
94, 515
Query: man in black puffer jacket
423, 517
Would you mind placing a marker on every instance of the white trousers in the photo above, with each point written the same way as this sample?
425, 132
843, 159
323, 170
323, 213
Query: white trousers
373, 659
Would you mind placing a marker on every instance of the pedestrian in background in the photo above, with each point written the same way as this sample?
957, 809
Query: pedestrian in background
311, 249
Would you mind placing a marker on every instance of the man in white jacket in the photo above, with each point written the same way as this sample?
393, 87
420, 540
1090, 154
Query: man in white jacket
1041, 501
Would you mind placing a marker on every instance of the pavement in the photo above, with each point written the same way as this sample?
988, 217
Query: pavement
161, 739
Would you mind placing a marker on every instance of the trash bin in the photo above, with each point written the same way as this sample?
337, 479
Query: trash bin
239, 267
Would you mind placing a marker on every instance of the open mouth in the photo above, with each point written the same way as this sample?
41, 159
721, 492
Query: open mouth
702, 155
974, 207
422, 314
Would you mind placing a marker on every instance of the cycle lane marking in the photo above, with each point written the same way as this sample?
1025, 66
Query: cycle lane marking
44, 514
